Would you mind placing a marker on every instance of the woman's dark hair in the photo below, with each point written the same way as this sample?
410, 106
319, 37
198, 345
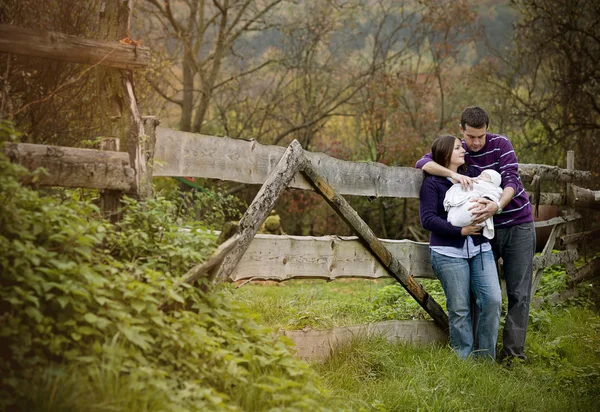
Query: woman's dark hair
441, 149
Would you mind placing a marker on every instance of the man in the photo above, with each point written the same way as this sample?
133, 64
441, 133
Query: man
513, 220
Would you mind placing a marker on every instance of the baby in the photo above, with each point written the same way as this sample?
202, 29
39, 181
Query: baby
457, 200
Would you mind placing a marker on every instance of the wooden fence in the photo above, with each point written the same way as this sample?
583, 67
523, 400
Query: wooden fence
156, 151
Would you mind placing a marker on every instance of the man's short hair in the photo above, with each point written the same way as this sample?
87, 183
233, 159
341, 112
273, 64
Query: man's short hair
475, 117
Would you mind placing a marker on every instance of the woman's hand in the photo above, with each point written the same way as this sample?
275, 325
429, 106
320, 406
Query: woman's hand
466, 182
471, 230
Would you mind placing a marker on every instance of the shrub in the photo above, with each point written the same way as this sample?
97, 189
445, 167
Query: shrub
80, 324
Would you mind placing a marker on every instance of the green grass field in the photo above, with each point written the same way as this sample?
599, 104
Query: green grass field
372, 374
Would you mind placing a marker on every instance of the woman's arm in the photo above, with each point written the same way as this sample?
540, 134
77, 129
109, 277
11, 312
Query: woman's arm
430, 219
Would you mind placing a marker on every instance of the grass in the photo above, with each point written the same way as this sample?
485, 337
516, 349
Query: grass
318, 304
372, 374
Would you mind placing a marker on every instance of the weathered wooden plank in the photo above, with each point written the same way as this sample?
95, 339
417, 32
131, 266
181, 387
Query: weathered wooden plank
291, 161
562, 257
557, 199
286, 257
552, 174
581, 197
558, 220
72, 167
537, 273
372, 243
317, 345
588, 271
110, 200
579, 237
58, 46
247, 161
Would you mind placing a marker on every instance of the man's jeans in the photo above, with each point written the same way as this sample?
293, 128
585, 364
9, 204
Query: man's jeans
516, 246
460, 278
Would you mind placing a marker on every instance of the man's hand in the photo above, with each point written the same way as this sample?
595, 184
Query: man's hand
482, 209
466, 182
471, 230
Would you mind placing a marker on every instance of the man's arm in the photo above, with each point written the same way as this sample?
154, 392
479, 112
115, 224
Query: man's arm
486, 208
428, 165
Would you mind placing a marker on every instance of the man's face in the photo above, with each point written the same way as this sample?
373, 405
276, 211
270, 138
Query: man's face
474, 138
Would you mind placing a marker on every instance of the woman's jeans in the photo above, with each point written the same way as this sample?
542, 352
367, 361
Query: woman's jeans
463, 279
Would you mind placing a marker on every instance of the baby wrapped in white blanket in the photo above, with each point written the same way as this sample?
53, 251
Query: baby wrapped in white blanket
457, 200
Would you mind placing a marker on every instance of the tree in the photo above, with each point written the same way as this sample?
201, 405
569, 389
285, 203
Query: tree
551, 79
200, 36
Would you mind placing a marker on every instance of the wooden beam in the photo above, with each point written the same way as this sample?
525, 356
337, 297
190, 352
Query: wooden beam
581, 197
261, 206
317, 344
63, 47
579, 237
556, 199
537, 273
283, 257
589, 271
552, 174
204, 268
558, 220
110, 200
560, 258
247, 161
72, 167
372, 243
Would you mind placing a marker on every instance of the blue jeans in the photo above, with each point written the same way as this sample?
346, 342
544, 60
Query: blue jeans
461, 279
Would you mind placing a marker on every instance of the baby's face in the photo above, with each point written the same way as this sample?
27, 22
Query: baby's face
484, 177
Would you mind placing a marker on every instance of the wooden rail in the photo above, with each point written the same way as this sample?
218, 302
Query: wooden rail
64, 47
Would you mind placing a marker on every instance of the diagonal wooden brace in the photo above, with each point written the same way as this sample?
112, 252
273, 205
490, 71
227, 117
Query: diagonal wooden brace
279, 179
375, 246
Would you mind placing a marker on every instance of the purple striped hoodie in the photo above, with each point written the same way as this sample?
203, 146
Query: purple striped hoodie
498, 154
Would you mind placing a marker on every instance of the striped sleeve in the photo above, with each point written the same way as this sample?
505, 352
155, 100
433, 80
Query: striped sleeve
508, 165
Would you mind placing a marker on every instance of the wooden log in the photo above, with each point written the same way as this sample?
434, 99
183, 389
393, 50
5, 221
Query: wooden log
261, 206
110, 200
148, 143
64, 47
73, 167
537, 273
247, 161
280, 258
579, 237
588, 271
558, 220
552, 174
570, 228
362, 230
317, 345
580, 197
204, 268
553, 199
562, 257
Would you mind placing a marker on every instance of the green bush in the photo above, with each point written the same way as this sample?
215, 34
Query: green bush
80, 326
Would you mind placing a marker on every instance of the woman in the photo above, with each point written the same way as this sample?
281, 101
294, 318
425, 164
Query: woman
462, 259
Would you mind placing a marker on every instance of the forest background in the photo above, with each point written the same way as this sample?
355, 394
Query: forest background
361, 80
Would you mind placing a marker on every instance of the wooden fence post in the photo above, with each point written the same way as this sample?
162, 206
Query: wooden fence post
570, 227
110, 200
279, 179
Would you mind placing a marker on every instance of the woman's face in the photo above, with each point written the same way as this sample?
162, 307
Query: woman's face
458, 154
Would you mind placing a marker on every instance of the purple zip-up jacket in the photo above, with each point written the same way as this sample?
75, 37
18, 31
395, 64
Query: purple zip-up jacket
498, 154
435, 218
